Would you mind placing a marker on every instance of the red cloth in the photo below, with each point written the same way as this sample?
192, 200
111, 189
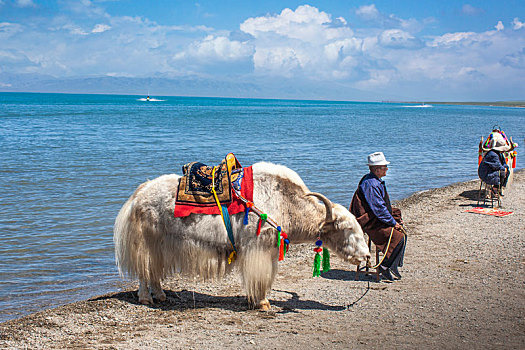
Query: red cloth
236, 206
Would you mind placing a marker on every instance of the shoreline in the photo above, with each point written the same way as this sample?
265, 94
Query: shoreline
462, 285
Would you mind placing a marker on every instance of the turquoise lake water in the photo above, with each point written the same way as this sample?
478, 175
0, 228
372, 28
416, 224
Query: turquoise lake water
69, 162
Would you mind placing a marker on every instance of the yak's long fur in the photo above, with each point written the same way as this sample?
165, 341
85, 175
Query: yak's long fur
151, 244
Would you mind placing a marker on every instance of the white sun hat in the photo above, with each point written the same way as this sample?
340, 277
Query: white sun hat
377, 158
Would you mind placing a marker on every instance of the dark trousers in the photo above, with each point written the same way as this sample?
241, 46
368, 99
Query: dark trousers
396, 258
503, 177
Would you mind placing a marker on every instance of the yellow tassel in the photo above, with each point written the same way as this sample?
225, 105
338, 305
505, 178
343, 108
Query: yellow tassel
232, 257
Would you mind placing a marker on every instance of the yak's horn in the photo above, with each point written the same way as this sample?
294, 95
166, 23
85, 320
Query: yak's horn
511, 145
327, 204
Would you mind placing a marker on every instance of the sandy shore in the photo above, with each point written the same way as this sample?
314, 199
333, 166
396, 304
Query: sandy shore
463, 287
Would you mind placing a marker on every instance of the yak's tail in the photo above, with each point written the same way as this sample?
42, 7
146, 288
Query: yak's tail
258, 265
123, 237
133, 257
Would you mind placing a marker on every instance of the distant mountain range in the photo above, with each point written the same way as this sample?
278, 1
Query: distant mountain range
281, 88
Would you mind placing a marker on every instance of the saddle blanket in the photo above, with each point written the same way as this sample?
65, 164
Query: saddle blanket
195, 186
489, 211
194, 193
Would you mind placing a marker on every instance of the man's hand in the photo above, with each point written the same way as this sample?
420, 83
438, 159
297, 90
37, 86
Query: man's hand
398, 226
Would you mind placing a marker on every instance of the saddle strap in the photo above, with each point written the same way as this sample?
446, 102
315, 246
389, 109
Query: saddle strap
225, 218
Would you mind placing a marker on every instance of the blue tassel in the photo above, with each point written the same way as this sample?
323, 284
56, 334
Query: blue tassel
246, 215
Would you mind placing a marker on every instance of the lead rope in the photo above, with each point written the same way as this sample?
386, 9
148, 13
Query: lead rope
369, 264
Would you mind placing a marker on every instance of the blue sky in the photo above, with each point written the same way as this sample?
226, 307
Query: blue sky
414, 50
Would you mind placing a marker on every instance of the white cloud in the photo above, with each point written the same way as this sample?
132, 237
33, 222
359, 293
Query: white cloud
304, 15
306, 23
469, 72
12, 58
377, 78
24, 3
304, 42
470, 10
86, 9
368, 12
74, 29
456, 63
100, 28
278, 60
515, 60
499, 26
8, 29
340, 49
398, 39
217, 48
517, 24
371, 13
451, 39
342, 20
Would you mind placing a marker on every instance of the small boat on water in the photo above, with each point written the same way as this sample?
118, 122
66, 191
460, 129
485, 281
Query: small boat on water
422, 105
149, 99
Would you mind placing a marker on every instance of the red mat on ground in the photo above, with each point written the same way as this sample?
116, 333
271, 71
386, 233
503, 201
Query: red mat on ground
236, 205
489, 211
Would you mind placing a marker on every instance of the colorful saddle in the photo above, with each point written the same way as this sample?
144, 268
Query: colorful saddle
230, 180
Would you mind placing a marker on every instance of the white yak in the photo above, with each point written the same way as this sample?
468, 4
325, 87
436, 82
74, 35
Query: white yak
151, 244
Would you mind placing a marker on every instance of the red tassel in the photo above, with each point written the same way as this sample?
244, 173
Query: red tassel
281, 250
259, 227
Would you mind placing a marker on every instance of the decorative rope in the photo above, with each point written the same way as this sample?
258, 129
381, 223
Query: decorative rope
283, 242
369, 265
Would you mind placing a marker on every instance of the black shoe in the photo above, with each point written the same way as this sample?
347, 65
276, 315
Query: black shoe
396, 273
385, 274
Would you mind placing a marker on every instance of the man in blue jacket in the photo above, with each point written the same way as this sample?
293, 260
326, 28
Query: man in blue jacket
493, 169
381, 222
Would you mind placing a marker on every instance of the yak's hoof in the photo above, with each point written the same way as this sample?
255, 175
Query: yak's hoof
265, 305
146, 301
160, 297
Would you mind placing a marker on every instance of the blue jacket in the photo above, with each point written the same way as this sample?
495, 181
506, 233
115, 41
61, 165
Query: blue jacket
490, 166
377, 198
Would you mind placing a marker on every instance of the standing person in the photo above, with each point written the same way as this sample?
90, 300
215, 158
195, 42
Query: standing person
372, 209
493, 169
